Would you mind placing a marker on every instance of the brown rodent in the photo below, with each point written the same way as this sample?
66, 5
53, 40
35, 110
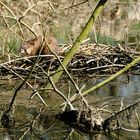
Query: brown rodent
33, 46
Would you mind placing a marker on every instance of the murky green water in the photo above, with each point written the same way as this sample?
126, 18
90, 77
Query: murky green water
46, 127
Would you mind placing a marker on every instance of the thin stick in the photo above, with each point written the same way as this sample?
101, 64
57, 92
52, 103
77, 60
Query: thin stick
91, 90
78, 41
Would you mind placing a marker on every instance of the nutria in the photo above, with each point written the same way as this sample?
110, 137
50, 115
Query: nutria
33, 46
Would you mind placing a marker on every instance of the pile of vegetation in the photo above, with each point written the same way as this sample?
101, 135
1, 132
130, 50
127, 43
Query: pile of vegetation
90, 60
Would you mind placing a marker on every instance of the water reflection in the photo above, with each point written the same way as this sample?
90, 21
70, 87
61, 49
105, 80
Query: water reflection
47, 127
123, 86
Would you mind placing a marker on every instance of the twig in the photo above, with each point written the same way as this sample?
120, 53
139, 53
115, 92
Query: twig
96, 68
23, 23
80, 3
79, 39
34, 90
21, 85
10, 28
24, 58
13, 15
122, 111
138, 119
78, 91
91, 90
56, 90
32, 123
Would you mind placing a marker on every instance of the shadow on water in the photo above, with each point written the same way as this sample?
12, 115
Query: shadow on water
31, 122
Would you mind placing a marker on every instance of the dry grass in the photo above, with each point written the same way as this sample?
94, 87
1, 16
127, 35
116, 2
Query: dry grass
22, 19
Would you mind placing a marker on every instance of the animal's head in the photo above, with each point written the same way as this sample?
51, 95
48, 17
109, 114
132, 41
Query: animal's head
30, 47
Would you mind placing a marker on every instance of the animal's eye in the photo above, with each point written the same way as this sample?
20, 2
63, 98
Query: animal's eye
32, 43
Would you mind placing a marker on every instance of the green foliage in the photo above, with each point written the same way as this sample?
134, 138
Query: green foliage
104, 39
133, 31
62, 34
12, 45
8, 45
107, 40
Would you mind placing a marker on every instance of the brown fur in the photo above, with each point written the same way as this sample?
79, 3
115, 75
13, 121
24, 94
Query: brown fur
33, 46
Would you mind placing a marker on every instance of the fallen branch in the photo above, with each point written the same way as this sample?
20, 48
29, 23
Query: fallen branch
91, 90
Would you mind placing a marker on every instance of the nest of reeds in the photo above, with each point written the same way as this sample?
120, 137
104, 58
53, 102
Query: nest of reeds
91, 59
101, 59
